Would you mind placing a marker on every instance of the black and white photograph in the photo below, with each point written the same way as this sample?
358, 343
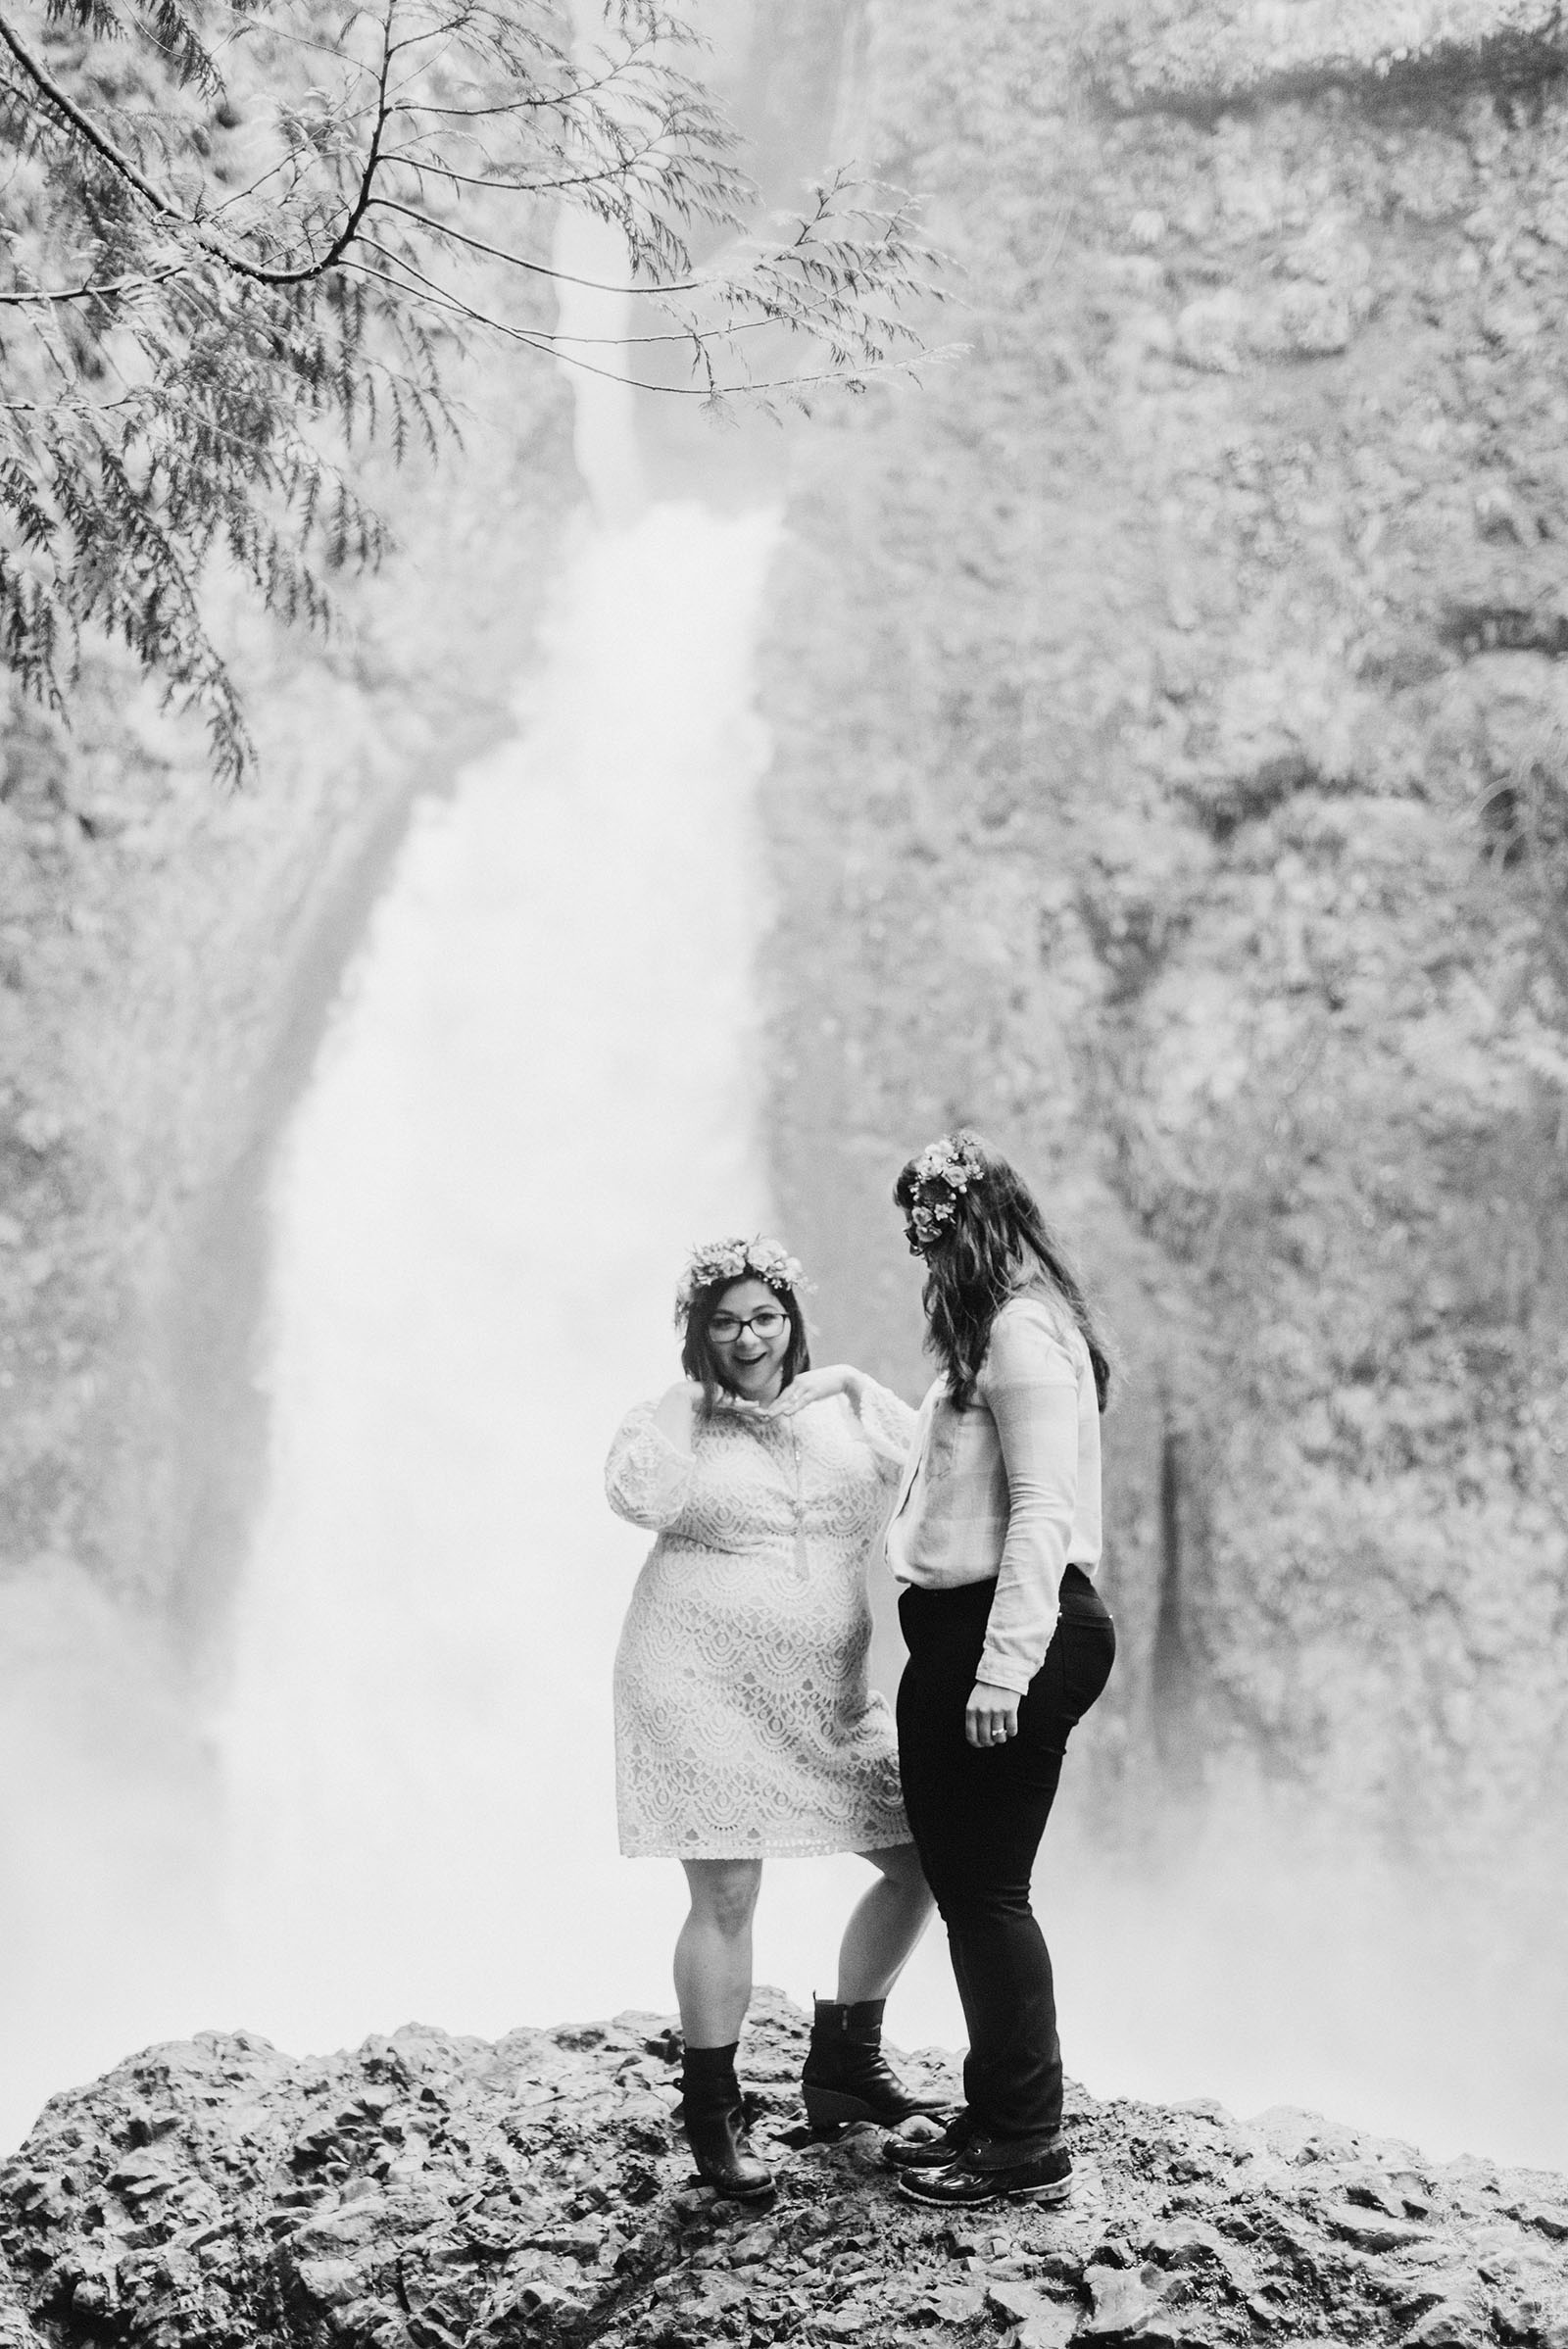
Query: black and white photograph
783, 1174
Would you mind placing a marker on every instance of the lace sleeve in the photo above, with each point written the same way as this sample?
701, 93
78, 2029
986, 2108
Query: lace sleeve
646, 1478
888, 1424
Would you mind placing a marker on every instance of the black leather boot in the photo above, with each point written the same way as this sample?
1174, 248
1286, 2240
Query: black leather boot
932, 2153
847, 2077
714, 2121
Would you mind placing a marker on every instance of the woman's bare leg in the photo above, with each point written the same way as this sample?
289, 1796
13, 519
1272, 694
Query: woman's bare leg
714, 1951
883, 1926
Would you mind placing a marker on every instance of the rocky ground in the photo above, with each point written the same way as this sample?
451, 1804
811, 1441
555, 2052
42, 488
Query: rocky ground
427, 2191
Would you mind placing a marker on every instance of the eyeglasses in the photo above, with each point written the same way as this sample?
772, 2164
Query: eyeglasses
765, 1325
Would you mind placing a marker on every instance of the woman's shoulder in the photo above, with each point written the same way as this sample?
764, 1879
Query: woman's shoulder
636, 1425
642, 1413
644, 1408
1046, 1307
1032, 1323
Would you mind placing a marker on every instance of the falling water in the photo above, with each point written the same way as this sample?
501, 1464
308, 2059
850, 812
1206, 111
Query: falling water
539, 1089
542, 1085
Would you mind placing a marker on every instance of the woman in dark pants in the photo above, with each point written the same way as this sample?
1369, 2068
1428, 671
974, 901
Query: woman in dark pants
996, 1535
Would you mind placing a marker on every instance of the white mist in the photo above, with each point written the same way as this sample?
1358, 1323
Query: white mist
541, 1088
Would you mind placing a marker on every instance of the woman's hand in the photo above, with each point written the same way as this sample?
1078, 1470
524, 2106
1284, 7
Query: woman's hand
814, 1386
675, 1411
990, 1716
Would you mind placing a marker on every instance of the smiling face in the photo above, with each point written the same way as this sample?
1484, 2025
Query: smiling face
748, 1331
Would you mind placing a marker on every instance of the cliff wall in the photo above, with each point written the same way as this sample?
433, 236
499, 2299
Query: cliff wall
1169, 700
167, 955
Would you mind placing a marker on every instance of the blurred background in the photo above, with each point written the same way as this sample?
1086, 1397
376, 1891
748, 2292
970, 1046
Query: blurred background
1144, 737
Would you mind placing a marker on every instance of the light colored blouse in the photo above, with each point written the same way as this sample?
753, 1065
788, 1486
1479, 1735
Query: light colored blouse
1008, 1490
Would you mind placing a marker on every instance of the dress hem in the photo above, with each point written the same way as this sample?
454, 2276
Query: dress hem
766, 1851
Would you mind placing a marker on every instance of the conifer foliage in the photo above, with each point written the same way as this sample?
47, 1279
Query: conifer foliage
243, 240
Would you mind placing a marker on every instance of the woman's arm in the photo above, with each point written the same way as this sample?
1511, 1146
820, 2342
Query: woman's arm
675, 1410
886, 1422
1030, 1386
647, 1476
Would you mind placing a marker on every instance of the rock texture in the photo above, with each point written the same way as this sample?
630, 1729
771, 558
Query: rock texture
427, 2191
1172, 777
167, 955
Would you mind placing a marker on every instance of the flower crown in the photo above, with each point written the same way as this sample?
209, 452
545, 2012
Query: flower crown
768, 1260
954, 1160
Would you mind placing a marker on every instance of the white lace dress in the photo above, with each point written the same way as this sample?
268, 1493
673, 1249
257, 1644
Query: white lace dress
744, 1725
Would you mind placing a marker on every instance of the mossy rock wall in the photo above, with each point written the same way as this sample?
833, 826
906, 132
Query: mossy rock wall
1169, 704
167, 953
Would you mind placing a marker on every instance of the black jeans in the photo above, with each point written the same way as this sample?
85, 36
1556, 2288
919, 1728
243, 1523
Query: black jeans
977, 1816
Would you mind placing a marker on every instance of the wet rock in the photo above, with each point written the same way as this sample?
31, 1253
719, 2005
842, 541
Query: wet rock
1371, 2232
956, 2303
428, 2191
1015, 2300
1550, 2223
1051, 2326
1451, 2324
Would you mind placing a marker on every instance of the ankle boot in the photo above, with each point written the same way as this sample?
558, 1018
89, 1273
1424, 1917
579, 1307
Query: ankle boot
847, 2077
714, 2121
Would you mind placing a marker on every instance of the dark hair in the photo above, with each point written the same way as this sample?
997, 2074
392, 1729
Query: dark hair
697, 1356
994, 1243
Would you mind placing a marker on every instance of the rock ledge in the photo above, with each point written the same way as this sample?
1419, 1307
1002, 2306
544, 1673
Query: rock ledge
426, 2191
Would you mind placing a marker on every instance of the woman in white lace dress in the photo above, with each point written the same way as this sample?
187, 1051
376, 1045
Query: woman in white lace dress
744, 1725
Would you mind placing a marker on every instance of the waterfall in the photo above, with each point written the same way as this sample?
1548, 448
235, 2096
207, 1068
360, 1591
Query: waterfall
541, 1086
544, 1081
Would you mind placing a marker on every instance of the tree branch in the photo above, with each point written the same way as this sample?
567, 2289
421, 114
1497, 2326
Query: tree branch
372, 154
90, 293
243, 298
103, 146
537, 269
621, 168
84, 125
531, 339
551, 100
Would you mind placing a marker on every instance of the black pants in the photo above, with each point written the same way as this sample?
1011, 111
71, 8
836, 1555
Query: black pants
977, 1816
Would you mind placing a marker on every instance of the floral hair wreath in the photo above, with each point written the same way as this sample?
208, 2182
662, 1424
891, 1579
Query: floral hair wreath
954, 1160
768, 1260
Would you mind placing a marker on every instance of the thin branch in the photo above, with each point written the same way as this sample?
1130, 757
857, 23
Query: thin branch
537, 187
531, 339
85, 127
540, 336
555, 101
537, 269
131, 399
362, 199
243, 320
92, 292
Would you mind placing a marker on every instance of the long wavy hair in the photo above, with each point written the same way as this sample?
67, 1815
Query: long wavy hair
697, 1356
992, 1244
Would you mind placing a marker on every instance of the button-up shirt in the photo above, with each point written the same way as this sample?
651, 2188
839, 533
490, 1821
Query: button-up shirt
1008, 1489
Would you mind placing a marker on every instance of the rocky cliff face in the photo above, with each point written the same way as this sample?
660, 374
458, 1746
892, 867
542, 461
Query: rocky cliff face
1171, 751
429, 2190
167, 955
